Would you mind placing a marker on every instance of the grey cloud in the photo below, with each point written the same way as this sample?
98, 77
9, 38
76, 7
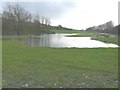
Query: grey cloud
52, 9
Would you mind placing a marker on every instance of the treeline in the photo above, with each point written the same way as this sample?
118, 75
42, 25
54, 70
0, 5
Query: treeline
18, 21
60, 27
104, 28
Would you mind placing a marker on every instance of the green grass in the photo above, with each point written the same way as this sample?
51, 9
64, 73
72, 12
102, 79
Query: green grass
14, 36
0, 64
52, 67
65, 31
113, 40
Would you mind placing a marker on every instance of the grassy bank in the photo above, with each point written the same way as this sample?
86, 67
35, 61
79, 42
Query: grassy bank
113, 40
25, 66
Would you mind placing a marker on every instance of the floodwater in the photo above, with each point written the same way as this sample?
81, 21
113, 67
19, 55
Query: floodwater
61, 41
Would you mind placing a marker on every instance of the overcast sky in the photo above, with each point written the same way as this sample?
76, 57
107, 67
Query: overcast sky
77, 14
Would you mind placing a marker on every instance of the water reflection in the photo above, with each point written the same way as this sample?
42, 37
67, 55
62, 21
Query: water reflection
43, 40
59, 41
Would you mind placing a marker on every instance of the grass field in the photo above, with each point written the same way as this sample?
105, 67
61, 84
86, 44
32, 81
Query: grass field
39, 67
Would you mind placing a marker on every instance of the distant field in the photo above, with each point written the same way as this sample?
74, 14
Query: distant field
25, 66
77, 32
84, 34
65, 31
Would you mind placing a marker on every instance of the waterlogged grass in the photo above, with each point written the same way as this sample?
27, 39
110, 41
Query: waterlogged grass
39, 67
113, 40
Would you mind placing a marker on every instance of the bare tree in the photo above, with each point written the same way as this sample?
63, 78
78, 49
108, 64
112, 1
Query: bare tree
17, 15
16, 20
